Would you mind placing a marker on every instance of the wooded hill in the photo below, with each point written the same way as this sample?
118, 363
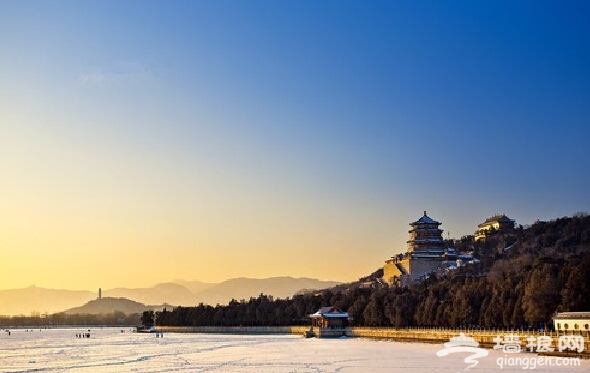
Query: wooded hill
522, 279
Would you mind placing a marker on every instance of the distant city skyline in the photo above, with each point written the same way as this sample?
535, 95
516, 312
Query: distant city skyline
142, 142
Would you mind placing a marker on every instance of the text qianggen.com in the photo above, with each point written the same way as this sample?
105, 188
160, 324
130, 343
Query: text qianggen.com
536, 361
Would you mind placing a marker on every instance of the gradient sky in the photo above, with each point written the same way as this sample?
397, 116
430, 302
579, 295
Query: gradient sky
146, 141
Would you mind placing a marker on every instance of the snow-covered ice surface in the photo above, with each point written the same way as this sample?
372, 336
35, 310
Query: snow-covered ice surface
110, 350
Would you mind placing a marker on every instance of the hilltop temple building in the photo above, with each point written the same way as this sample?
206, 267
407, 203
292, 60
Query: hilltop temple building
496, 223
426, 254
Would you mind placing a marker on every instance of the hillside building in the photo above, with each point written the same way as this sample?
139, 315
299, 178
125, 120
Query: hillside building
496, 223
426, 254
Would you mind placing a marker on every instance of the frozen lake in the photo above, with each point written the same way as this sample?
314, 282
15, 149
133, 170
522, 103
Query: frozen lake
110, 350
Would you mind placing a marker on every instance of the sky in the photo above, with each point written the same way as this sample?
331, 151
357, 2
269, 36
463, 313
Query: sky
147, 141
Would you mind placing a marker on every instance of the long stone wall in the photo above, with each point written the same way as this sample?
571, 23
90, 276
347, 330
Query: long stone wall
235, 329
484, 337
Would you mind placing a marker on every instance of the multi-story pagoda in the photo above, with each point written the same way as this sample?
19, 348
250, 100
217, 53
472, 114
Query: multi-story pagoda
425, 237
426, 254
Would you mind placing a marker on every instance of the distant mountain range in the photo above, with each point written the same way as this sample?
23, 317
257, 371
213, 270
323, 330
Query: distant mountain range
169, 292
34, 299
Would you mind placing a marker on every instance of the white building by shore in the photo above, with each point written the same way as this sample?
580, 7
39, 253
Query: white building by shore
572, 321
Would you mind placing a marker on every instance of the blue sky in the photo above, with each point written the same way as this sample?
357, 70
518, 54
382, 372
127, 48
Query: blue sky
253, 136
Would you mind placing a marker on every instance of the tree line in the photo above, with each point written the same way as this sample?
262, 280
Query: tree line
116, 318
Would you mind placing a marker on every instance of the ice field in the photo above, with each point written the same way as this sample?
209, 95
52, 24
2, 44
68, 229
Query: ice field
110, 350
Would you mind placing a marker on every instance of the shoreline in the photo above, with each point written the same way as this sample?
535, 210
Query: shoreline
485, 338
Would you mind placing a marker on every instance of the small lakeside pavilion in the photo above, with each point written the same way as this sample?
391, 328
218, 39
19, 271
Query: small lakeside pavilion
329, 322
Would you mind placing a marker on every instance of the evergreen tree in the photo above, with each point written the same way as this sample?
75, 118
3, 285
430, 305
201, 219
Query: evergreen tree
541, 295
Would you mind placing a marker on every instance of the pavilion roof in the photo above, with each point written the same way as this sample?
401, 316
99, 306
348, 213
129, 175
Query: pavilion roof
329, 312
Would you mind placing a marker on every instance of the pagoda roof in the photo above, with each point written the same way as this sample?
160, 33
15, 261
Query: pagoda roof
425, 220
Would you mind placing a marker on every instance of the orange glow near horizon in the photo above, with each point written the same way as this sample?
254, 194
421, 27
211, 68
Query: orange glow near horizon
204, 142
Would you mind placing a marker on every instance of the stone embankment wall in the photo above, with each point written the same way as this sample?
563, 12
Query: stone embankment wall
485, 338
235, 329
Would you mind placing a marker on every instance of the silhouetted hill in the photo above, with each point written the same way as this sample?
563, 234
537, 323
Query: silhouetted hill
195, 286
168, 292
109, 305
179, 292
245, 288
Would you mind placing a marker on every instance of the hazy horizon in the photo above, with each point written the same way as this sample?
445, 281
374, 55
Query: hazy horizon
42, 300
175, 281
147, 141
